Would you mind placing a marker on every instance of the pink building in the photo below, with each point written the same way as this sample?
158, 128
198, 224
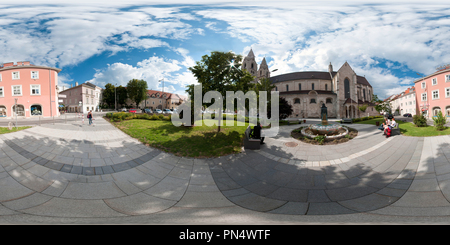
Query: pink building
33, 88
433, 93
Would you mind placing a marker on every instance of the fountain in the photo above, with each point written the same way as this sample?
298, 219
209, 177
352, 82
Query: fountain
330, 131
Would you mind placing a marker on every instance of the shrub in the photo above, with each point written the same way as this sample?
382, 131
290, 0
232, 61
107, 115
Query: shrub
320, 139
154, 117
419, 120
439, 121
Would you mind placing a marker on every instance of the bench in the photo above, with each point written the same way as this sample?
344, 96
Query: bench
250, 143
396, 130
346, 120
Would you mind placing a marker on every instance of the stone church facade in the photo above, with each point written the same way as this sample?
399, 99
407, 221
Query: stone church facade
342, 91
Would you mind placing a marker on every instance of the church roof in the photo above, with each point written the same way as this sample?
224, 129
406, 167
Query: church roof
312, 75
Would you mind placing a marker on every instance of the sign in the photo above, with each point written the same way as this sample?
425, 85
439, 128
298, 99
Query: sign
62, 96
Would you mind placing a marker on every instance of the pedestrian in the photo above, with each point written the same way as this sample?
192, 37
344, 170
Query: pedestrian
89, 116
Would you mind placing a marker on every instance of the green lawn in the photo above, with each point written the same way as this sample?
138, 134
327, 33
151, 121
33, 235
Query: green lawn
5, 130
409, 129
198, 141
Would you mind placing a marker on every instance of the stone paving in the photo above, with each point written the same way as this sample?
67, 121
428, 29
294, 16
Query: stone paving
61, 171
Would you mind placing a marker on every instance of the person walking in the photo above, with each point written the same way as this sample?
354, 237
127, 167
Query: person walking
89, 116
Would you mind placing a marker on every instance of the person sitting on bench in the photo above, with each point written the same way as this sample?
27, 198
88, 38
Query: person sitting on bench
256, 133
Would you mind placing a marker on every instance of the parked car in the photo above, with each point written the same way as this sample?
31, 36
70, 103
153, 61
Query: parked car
158, 111
407, 115
389, 116
124, 109
132, 110
146, 110
167, 111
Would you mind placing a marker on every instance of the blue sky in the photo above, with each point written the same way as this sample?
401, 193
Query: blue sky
113, 41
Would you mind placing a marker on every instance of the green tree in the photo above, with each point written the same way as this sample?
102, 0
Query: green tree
108, 95
381, 105
122, 96
285, 109
263, 85
137, 90
220, 72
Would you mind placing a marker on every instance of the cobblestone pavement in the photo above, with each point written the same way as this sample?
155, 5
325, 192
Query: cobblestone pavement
75, 173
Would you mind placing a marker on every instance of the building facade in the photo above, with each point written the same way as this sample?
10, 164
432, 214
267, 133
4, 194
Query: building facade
159, 100
433, 93
405, 102
82, 98
344, 93
28, 90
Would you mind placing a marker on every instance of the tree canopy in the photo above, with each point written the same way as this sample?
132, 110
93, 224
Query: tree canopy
137, 90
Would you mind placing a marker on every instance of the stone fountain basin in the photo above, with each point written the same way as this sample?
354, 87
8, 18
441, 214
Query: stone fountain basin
331, 132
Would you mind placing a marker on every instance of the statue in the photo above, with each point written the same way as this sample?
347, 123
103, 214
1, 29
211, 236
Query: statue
323, 114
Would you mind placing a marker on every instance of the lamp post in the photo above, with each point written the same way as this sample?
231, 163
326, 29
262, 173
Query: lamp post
115, 97
15, 109
162, 84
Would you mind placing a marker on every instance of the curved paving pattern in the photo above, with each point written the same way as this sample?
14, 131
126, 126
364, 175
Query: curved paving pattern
74, 170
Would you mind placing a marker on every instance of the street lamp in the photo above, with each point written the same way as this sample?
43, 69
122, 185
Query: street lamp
162, 84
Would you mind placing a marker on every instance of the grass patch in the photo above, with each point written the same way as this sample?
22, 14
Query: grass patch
5, 130
409, 129
199, 141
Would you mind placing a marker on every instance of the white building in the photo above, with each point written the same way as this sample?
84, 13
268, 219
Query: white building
405, 102
82, 98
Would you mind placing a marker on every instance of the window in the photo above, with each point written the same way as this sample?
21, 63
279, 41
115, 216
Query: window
328, 101
434, 81
15, 75
313, 101
34, 75
296, 101
36, 110
424, 97
436, 111
423, 85
447, 78
299, 86
326, 86
1, 92
0, 77
35, 89
447, 92
312, 86
435, 94
287, 87
16, 90
347, 88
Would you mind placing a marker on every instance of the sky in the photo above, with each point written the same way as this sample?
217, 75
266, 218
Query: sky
391, 43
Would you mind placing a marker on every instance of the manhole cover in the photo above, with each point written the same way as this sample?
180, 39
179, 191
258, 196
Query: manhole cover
291, 144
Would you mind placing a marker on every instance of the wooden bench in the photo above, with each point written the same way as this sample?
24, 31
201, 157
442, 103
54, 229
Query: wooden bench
346, 120
250, 143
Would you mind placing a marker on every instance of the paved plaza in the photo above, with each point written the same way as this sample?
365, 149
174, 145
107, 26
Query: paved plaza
72, 173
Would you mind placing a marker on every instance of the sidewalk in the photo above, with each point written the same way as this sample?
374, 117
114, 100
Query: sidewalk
75, 173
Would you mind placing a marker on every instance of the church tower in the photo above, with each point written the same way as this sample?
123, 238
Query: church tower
263, 71
250, 65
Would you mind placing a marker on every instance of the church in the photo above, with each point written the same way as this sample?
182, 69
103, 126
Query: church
344, 93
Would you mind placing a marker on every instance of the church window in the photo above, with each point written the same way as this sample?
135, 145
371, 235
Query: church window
287, 87
347, 88
328, 101
364, 94
252, 65
299, 86
313, 101
313, 87
326, 86
297, 101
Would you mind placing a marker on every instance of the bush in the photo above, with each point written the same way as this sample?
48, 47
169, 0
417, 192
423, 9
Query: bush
420, 120
320, 139
439, 121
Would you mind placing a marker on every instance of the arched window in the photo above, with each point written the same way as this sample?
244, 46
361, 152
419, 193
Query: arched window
287, 87
347, 88
436, 110
297, 101
326, 86
312, 86
329, 101
447, 111
3, 111
20, 110
313, 101
36, 110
